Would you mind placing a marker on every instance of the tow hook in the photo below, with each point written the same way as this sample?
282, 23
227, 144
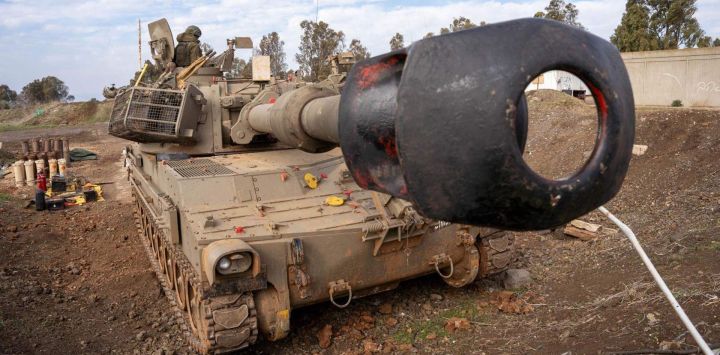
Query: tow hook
442, 259
340, 286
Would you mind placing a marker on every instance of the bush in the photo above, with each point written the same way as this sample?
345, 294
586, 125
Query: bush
676, 103
45, 90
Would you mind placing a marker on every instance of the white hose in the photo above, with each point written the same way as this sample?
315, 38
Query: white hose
676, 306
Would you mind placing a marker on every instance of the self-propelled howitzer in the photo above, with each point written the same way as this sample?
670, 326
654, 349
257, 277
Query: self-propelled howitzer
248, 209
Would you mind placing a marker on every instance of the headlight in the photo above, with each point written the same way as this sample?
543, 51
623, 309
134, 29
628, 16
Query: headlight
224, 264
234, 263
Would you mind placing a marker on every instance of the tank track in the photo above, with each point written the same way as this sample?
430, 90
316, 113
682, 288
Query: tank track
210, 324
497, 253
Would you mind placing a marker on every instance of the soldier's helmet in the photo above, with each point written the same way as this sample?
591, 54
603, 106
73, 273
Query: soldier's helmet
194, 30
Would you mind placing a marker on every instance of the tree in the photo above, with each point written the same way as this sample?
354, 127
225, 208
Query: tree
44, 90
70, 98
558, 10
659, 24
704, 42
272, 46
673, 23
707, 41
317, 43
8, 97
359, 51
397, 42
458, 24
237, 67
247, 72
633, 32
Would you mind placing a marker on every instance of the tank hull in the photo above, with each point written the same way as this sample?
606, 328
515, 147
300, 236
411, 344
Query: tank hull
308, 251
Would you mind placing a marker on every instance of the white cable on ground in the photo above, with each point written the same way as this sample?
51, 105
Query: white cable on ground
676, 306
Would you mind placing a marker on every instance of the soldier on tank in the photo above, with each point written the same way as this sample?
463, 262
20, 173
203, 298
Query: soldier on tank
188, 47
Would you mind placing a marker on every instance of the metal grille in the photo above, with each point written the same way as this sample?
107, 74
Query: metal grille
147, 115
198, 168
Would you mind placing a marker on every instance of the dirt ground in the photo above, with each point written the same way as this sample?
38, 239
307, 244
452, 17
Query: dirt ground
77, 281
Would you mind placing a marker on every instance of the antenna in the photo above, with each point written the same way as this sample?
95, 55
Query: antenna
139, 45
317, 10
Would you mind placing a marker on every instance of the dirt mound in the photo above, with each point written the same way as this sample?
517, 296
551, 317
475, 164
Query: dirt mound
554, 98
57, 113
561, 133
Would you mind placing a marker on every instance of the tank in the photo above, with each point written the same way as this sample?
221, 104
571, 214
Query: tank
246, 215
258, 196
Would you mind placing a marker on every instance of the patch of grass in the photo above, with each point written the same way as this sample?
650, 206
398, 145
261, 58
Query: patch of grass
403, 337
714, 245
436, 324
5, 197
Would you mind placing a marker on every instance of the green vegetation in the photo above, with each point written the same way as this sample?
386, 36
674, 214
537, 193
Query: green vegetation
397, 42
676, 103
359, 51
8, 97
715, 245
659, 24
5, 197
420, 329
560, 11
458, 24
44, 90
318, 42
272, 46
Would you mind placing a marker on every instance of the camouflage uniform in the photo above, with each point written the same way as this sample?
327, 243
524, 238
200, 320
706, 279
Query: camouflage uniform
188, 47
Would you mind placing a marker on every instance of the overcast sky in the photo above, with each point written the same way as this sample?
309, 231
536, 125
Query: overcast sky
91, 44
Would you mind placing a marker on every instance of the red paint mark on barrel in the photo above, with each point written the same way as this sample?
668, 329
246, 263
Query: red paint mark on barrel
389, 146
360, 178
370, 74
602, 104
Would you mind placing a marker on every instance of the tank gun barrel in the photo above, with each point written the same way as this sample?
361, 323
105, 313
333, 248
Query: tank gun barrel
439, 123
316, 120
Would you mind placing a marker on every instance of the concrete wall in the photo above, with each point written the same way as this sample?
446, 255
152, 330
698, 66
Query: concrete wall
691, 75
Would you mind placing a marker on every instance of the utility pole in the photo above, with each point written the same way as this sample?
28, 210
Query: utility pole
139, 45
317, 10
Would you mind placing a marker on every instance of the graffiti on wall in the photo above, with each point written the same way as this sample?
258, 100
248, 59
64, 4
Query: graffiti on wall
707, 86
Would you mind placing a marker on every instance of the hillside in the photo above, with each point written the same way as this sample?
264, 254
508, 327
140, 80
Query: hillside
54, 114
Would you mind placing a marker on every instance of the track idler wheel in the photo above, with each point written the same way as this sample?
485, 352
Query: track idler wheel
460, 274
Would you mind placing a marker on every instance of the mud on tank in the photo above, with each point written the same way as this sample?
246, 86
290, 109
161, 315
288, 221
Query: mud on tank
247, 209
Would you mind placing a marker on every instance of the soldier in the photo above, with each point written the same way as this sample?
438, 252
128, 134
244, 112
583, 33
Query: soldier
188, 47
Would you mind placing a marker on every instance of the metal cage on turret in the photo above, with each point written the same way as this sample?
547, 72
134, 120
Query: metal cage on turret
148, 115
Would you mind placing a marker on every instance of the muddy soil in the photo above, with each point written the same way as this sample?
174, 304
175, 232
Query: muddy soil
77, 281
